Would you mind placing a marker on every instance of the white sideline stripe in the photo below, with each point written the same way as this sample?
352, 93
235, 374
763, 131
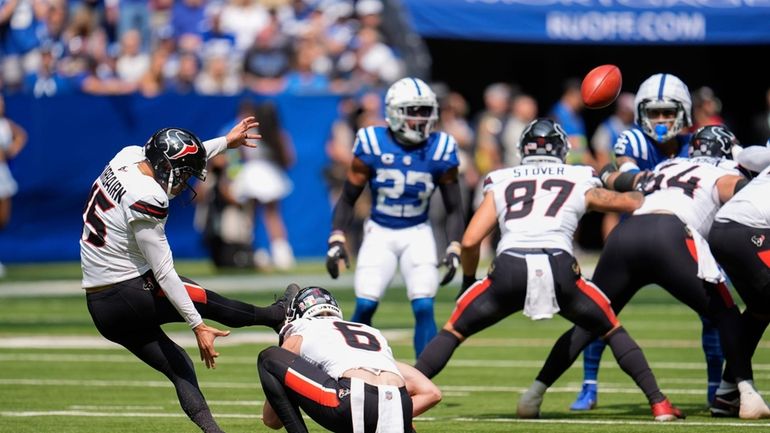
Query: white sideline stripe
606, 388
116, 414
184, 339
679, 424
103, 407
119, 383
221, 284
248, 360
396, 336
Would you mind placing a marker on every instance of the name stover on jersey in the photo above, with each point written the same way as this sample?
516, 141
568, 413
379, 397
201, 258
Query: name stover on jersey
539, 206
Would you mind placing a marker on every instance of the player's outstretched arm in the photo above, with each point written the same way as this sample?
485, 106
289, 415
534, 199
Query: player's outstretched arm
482, 223
604, 200
425, 394
151, 239
450, 193
358, 175
240, 136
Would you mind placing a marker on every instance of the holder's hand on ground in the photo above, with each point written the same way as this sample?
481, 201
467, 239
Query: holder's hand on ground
239, 135
205, 335
335, 253
451, 261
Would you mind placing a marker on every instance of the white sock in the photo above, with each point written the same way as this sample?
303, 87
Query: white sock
726, 387
538, 387
283, 256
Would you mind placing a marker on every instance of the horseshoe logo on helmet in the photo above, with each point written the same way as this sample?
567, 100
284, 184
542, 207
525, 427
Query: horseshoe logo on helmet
187, 149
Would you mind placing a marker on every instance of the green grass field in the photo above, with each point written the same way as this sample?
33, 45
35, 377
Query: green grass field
59, 375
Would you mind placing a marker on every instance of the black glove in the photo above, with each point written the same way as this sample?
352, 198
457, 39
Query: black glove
468, 281
451, 261
646, 182
335, 253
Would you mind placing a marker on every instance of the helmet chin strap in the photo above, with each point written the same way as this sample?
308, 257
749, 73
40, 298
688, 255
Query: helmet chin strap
169, 185
661, 130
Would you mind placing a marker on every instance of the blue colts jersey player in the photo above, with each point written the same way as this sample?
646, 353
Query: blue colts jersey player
403, 164
662, 107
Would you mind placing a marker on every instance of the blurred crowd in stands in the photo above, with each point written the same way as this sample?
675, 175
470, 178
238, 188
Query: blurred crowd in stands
206, 47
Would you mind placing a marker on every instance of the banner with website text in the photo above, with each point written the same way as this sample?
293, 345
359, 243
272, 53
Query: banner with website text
622, 22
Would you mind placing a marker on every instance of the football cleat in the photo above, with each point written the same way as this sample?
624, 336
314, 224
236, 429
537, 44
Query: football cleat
752, 406
586, 399
284, 302
665, 411
726, 405
529, 405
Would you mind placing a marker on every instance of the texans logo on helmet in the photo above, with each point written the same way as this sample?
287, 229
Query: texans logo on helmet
181, 148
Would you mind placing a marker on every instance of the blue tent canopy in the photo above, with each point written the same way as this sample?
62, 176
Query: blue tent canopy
615, 22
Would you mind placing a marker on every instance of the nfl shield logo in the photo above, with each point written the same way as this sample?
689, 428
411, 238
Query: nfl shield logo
539, 273
388, 395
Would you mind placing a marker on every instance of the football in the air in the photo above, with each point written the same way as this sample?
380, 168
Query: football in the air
601, 86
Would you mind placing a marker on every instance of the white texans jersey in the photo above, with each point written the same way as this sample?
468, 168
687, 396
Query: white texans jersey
687, 189
337, 346
750, 206
121, 194
539, 205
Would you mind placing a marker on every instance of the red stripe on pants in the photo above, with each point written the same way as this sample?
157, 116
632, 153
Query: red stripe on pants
467, 298
593, 292
310, 389
765, 257
691, 247
196, 293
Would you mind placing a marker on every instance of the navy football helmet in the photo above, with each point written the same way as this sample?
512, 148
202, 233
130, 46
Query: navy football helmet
175, 155
543, 140
715, 141
312, 302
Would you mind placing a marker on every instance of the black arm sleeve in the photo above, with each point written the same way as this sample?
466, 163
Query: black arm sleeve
450, 193
343, 210
625, 182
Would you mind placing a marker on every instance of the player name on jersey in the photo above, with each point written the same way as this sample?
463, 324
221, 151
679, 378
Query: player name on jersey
112, 185
537, 171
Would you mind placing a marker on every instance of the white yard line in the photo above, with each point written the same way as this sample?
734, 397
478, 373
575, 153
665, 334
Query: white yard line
184, 339
608, 388
246, 360
221, 284
396, 336
677, 425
